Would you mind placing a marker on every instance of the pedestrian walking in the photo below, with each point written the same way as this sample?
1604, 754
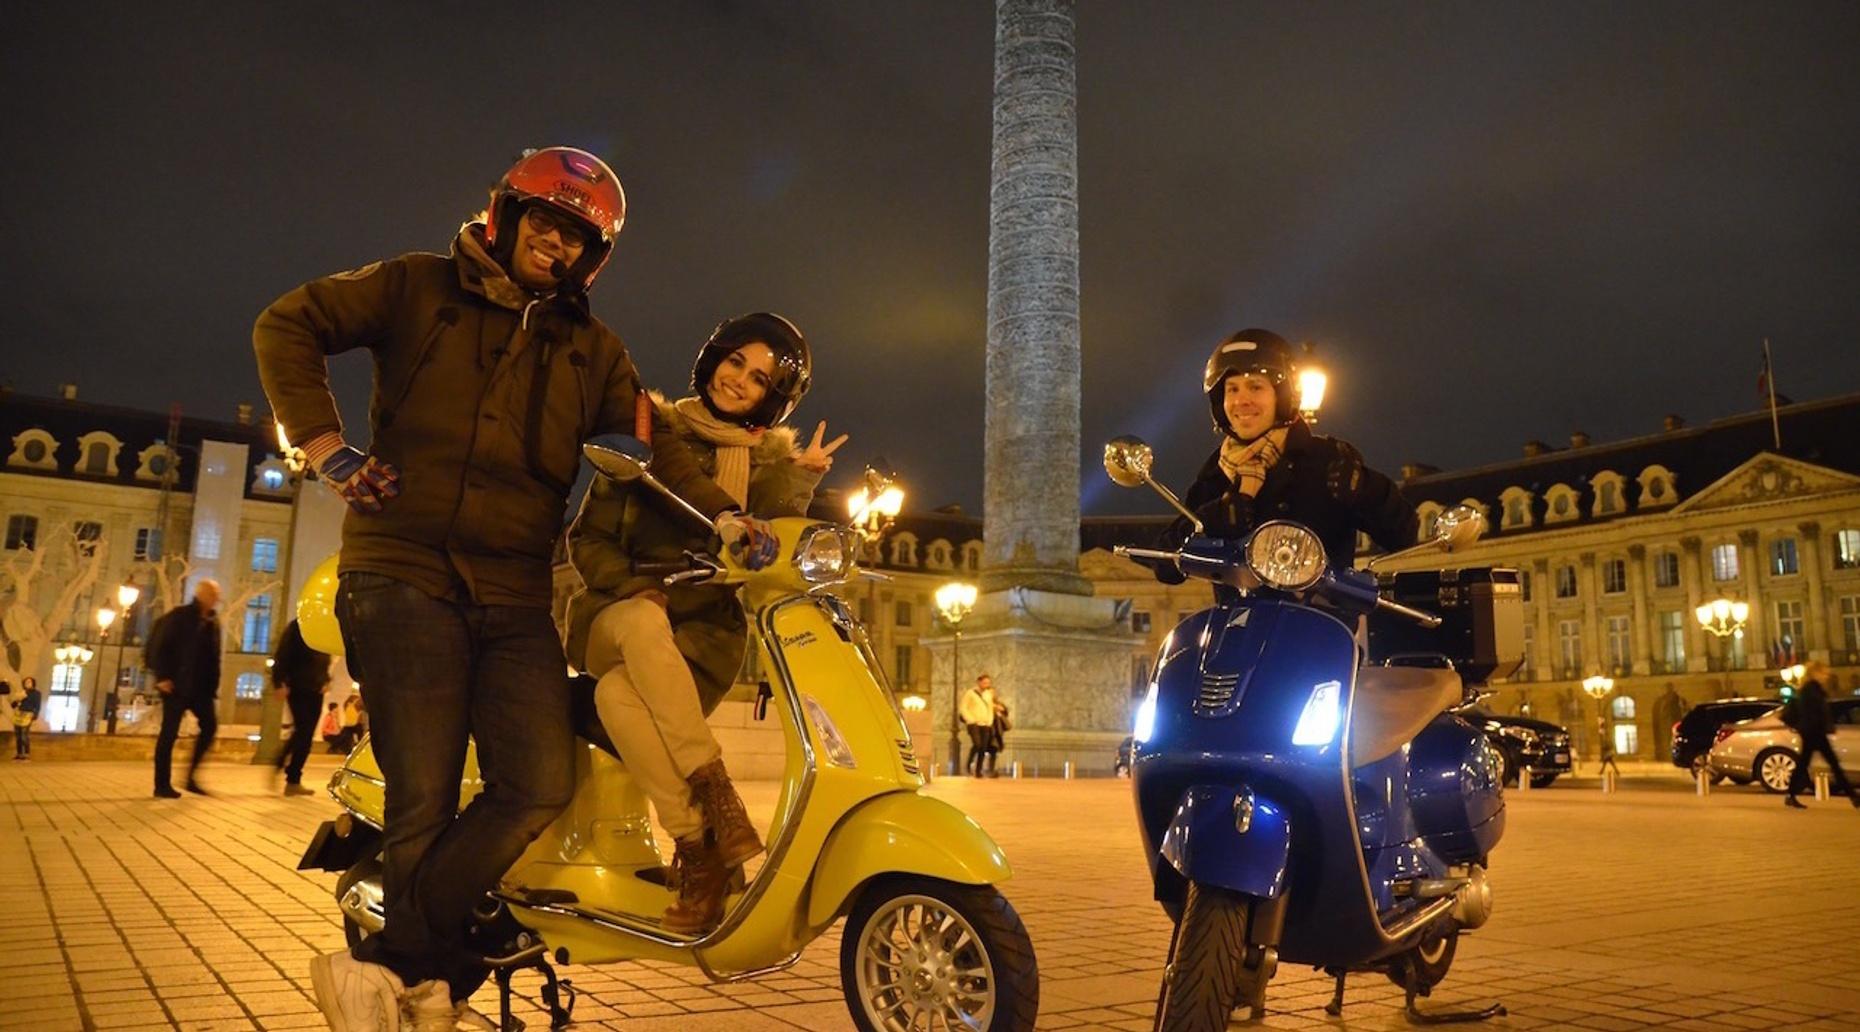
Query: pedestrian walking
331, 728
1809, 714
183, 652
997, 738
300, 672
977, 711
490, 374
1606, 744
25, 712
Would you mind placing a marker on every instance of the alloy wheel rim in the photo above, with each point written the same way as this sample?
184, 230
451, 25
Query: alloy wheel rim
1777, 769
923, 968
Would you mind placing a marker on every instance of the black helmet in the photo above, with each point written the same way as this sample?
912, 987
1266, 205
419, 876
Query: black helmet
1253, 351
794, 365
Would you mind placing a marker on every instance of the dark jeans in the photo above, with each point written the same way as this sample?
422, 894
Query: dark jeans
981, 739
22, 740
1798, 779
306, 711
173, 708
435, 674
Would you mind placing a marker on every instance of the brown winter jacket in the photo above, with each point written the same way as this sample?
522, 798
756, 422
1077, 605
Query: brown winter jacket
483, 395
623, 524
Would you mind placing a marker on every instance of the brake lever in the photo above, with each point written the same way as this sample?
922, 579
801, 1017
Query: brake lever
1425, 619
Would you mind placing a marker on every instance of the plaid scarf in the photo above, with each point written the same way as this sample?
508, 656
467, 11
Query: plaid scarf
1246, 462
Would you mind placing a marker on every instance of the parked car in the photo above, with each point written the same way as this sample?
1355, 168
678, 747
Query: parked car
1765, 750
1695, 732
1524, 742
1121, 768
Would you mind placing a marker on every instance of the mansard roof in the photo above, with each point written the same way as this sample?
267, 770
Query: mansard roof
67, 420
1817, 434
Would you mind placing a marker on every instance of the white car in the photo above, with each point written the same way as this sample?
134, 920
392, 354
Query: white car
1765, 750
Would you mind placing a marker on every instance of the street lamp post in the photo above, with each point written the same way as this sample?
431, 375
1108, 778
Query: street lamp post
1599, 687
126, 595
105, 618
954, 601
1724, 620
1312, 381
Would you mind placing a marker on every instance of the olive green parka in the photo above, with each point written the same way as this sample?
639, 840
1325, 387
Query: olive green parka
622, 524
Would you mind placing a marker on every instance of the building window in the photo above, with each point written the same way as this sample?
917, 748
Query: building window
1430, 518
1569, 648
1524, 585
1566, 581
1618, 644
1673, 639
1528, 666
1850, 621
865, 610
901, 613
1666, 570
1560, 507
1623, 707
250, 687
1140, 622
902, 671
1607, 497
22, 531
1790, 636
1782, 557
1846, 549
1627, 739
257, 625
265, 555
1724, 562
273, 479
87, 533
148, 544
1614, 576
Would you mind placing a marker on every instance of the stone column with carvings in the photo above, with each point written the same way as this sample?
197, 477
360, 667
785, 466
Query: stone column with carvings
1549, 653
1816, 604
1594, 646
1692, 574
1756, 642
1642, 632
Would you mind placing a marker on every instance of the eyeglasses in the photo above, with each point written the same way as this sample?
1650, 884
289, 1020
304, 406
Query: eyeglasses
542, 221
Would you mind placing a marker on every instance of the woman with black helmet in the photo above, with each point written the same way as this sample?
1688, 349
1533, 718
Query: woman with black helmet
1270, 466
666, 657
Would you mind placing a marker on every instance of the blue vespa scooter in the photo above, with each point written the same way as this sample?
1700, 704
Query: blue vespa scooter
1301, 801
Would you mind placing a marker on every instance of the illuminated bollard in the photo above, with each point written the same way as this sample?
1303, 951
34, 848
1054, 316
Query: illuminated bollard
1821, 785
1704, 782
1067, 771
1524, 779
1608, 782
1014, 770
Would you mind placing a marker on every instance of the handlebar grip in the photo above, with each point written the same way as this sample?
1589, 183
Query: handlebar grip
1427, 620
689, 575
661, 569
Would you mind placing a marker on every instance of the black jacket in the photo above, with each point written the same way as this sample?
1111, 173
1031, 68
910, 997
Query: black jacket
1320, 482
297, 666
184, 647
1814, 718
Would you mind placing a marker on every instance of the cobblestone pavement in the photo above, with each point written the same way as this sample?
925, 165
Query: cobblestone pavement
1648, 908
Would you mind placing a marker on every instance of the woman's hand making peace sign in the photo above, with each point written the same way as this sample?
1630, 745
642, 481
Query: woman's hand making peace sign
816, 457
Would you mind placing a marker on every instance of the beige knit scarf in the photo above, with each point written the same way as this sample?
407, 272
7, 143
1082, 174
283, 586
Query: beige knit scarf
733, 444
1246, 463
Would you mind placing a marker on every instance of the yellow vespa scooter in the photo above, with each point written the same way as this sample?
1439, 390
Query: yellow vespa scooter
930, 942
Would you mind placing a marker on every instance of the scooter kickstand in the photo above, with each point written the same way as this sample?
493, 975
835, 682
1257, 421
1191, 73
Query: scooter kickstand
1335, 1007
506, 1021
1416, 1017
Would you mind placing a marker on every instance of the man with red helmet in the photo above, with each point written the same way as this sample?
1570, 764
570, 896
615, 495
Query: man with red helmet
489, 374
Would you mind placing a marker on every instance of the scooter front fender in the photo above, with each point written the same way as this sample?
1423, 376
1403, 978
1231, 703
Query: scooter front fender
1231, 837
900, 833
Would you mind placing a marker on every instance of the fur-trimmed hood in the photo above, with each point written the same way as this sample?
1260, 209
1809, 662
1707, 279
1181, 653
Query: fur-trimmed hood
778, 442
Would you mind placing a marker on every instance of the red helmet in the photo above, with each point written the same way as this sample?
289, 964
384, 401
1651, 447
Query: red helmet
573, 182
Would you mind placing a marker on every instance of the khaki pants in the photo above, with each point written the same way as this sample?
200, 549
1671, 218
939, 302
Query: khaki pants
648, 701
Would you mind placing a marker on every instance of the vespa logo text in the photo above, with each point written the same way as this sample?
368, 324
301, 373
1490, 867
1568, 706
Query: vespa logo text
798, 640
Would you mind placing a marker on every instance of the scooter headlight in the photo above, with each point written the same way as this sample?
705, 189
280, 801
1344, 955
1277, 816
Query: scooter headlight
826, 555
1317, 725
1146, 717
1285, 555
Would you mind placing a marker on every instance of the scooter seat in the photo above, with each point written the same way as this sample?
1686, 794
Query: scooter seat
586, 718
1393, 704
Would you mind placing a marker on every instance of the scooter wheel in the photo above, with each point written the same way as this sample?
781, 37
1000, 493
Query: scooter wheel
1202, 985
362, 871
954, 956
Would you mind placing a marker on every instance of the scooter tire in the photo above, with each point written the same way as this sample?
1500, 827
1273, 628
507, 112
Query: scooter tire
362, 871
1202, 984
1002, 937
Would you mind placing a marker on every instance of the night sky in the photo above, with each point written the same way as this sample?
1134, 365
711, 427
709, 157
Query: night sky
1497, 221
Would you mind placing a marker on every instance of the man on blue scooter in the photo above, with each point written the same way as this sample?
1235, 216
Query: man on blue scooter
1270, 466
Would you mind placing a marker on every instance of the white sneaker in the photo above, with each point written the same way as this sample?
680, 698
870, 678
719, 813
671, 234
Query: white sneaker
428, 1007
356, 996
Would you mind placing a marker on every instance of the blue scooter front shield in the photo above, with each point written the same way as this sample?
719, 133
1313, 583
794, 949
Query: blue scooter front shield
1229, 837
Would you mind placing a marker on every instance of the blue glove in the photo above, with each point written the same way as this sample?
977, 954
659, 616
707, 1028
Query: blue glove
751, 540
363, 481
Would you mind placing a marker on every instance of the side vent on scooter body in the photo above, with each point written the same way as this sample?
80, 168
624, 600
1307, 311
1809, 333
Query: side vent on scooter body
1217, 691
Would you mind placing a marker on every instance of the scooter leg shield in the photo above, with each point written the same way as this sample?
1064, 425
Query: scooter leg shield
900, 833
1230, 837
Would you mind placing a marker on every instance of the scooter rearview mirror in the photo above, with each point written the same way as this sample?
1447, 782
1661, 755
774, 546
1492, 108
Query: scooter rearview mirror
1127, 462
1458, 527
618, 457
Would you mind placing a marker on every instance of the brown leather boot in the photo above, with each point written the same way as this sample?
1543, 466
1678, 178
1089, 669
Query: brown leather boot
724, 813
702, 881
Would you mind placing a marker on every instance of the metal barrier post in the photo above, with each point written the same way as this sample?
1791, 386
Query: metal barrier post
1524, 779
1704, 782
1608, 782
1068, 771
1014, 770
1821, 785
